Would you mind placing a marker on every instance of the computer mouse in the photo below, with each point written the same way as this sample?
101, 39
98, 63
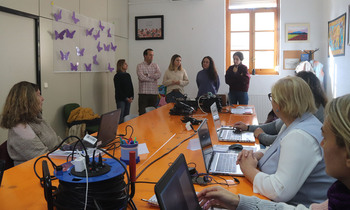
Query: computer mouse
237, 130
236, 147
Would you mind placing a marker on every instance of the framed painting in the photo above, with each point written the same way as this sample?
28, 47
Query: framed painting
297, 32
149, 27
336, 36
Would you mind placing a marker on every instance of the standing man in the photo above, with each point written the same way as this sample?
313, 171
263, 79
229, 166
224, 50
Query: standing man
148, 74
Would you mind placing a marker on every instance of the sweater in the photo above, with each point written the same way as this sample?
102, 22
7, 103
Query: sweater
123, 86
170, 76
205, 84
238, 81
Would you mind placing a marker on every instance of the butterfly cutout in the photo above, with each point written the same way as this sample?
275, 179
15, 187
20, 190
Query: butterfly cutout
74, 67
87, 67
89, 32
106, 47
64, 57
80, 52
70, 34
97, 35
109, 32
74, 18
113, 47
58, 15
95, 60
99, 48
101, 26
59, 35
110, 68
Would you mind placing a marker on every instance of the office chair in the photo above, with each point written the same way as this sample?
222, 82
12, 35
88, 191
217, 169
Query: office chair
150, 108
129, 117
4, 155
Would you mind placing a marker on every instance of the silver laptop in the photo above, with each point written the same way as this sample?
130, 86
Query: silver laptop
227, 133
217, 162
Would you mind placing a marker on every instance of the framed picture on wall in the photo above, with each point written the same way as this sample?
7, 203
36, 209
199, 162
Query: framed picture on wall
336, 36
297, 32
149, 27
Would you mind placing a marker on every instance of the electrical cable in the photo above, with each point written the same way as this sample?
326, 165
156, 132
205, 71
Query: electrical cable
199, 104
165, 154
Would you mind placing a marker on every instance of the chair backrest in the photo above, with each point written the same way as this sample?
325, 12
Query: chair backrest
67, 109
4, 155
129, 117
150, 108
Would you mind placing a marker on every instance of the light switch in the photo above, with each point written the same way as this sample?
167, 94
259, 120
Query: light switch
46, 85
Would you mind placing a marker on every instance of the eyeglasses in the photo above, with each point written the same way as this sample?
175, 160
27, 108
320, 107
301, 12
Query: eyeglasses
269, 96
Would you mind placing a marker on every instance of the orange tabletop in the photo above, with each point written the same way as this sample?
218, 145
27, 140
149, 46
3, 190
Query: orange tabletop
160, 131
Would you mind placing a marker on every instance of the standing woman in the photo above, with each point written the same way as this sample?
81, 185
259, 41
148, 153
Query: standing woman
175, 79
208, 78
237, 77
29, 135
124, 91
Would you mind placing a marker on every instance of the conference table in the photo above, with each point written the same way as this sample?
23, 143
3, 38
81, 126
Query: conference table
21, 189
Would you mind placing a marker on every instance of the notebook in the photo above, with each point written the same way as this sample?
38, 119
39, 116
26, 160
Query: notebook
227, 133
106, 132
218, 162
175, 189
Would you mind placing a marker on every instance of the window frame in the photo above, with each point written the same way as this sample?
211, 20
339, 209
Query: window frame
252, 37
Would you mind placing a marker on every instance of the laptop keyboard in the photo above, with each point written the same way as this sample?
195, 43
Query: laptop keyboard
229, 134
226, 163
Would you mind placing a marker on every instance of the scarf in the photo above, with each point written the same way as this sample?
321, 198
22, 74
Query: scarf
338, 196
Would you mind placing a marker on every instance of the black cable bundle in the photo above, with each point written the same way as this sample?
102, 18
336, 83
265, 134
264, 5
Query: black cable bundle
107, 194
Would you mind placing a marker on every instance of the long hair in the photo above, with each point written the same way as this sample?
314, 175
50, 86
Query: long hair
172, 60
337, 113
315, 85
120, 64
21, 105
213, 74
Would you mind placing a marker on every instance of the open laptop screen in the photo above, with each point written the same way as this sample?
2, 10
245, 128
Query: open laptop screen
108, 128
175, 189
205, 142
215, 114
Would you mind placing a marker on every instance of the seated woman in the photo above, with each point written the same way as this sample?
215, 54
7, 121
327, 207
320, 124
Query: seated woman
29, 135
207, 79
267, 133
175, 79
336, 147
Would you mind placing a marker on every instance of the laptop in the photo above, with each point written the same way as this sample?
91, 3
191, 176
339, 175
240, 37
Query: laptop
228, 133
218, 161
106, 132
175, 189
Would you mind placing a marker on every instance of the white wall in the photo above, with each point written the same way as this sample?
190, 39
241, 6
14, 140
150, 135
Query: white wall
95, 90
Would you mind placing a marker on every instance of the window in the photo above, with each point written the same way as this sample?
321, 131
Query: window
253, 29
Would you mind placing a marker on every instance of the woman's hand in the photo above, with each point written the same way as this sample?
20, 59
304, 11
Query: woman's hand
129, 100
217, 196
257, 132
176, 82
248, 162
241, 125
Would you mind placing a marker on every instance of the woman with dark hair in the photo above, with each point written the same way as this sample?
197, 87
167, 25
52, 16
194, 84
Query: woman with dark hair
175, 79
124, 90
238, 77
29, 135
208, 78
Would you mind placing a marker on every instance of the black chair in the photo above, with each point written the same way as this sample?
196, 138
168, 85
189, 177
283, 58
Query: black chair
4, 155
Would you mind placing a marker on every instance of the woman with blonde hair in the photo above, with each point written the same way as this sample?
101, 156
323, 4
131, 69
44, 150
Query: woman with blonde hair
175, 79
29, 135
336, 147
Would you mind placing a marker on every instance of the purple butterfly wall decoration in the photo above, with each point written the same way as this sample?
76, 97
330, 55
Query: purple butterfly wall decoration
64, 56
70, 34
74, 67
87, 66
97, 35
80, 52
109, 32
110, 68
101, 26
58, 15
74, 18
95, 60
106, 47
89, 32
59, 35
99, 48
113, 47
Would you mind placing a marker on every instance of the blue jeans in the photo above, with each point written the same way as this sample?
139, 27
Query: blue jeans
238, 97
125, 109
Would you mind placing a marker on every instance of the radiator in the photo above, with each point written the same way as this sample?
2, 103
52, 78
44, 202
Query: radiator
262, 106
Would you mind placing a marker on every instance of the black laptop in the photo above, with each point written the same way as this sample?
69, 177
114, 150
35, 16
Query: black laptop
175, 189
